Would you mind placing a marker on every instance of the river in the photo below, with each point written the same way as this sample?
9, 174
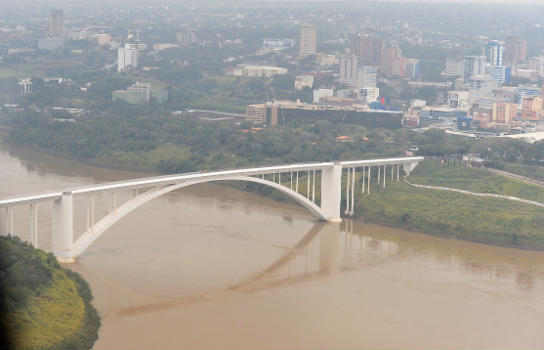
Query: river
212, 266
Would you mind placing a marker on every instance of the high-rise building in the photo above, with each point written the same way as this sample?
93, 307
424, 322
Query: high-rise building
393, 64
515, 50
366, 77
127, 56
308, 37
56, 23
494, 52
504, 113
348, 69
499, 73
368, 47
454, 67
473, 65
412, 68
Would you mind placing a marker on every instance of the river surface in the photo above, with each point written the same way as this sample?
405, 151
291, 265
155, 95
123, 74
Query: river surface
212, 266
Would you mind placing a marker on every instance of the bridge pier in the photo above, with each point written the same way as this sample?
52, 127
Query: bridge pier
408, 167
331, 192
63, 227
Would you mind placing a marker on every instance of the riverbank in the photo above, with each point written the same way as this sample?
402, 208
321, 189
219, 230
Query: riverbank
456, 215
44, 306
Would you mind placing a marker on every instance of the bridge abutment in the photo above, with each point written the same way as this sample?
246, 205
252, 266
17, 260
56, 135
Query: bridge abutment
63, 227
331, 192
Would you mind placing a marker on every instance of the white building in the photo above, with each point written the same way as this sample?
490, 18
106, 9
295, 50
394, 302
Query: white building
366, 77
319, 93
128, 56
481, 86
454, 67
458, 99
369, 94
245, 70
302, 81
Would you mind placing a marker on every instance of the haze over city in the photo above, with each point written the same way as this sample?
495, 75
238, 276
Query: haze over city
259, 174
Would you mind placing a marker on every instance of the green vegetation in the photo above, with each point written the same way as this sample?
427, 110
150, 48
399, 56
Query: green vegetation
455, 215
43, 305
170, 144
475, 180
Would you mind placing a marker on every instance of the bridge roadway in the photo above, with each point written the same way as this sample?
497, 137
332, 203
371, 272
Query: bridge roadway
146, 189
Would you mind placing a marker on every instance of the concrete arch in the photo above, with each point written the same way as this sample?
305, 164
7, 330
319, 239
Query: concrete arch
99, 228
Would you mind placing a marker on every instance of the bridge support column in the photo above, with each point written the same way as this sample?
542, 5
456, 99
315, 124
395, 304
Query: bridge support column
331, 192
63, 227
408, 167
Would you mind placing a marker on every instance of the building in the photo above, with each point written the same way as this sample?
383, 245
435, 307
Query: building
296, 113
481, 86
102, 39
246, 70
366, 77
302, 81
56, 23
368, 48
348, 69
412, 68
527, 91
536, 64
321, 93
482, 118
454, 67
503, 113
393, 64
278, 44
501, 74
127, 57
51, 44
458, 99
531, 108
441, 115
474, 65
256, 113
494, 52
26, 86
368, 94
308, 37
141, 93
515, 50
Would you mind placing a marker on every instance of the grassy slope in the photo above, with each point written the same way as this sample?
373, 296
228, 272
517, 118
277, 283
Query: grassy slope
455, 215
530, 171
475, 180
57, 314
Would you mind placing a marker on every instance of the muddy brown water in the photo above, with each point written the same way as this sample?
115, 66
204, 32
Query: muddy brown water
216, 267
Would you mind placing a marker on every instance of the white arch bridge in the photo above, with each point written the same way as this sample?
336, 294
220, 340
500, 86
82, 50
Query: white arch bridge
297, 181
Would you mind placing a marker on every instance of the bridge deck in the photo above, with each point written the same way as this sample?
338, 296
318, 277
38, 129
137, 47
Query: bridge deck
212, 175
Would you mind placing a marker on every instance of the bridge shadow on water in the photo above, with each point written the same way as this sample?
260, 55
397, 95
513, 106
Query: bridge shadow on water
326, 249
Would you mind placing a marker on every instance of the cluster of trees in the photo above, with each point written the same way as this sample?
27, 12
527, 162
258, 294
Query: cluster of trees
43, 305
171, 144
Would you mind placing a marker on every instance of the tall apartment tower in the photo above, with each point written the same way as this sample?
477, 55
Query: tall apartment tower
348, 69
127, 56
515, 50
494, 51
308, 36
56, 23
369, 48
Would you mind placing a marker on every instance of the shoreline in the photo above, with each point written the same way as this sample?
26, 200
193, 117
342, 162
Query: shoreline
468, 236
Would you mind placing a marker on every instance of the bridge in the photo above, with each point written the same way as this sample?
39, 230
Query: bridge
297, 181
